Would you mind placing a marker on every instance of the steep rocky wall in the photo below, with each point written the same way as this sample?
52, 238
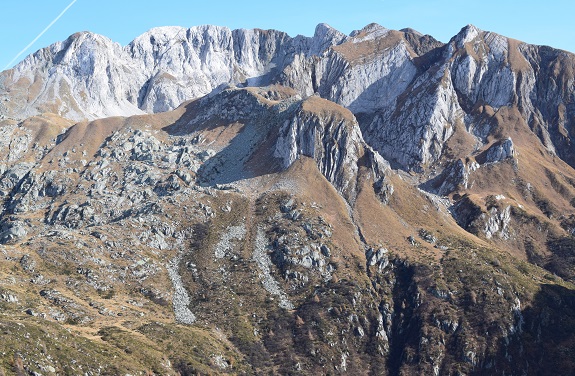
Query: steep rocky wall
408, 90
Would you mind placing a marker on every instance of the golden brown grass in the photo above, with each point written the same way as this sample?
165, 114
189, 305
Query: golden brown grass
516, 58
323, 107
408, 212
312, 186
460, 145
361, 52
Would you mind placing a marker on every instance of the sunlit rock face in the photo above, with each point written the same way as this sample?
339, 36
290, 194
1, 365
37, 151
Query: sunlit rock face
216, 201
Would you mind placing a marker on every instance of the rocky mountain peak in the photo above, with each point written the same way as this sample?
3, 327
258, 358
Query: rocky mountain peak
369, 32
364, 204
322, 30
80, 50
466, 35
409, 30
159, 35
166, 66
324, 37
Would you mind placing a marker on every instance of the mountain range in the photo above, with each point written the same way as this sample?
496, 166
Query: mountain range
216, 201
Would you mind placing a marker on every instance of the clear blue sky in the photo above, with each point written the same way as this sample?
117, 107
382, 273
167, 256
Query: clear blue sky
539, 22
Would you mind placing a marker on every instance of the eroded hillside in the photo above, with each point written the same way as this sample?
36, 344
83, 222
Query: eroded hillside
388, 204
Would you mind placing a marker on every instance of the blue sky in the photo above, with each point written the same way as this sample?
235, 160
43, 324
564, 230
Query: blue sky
539, 22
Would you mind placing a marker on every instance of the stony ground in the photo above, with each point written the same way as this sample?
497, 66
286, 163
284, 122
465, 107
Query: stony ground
403, 207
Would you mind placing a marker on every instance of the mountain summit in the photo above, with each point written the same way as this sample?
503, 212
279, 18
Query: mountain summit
216, 201
375, 72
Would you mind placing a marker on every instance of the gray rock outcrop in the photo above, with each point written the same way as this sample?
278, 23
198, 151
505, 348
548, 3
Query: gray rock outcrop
500, 151
408, 91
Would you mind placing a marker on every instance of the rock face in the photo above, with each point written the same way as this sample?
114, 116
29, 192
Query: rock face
93, 77
408, 90
364, 204
500, 151
333, 139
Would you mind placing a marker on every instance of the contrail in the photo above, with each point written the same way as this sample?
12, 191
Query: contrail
40, 35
